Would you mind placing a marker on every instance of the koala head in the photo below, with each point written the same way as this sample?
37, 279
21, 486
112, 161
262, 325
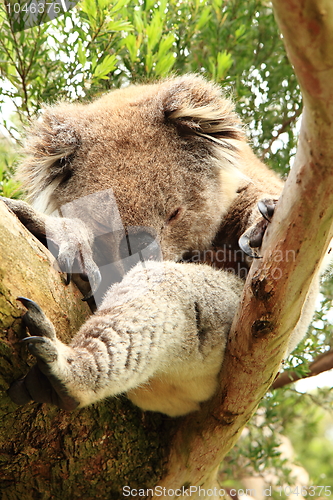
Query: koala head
163, 157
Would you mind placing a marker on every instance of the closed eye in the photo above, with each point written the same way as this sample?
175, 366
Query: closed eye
174, 215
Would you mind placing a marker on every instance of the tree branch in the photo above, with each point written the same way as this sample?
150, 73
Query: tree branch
92, 452
276, 289
283, 127
271, 306
322, 363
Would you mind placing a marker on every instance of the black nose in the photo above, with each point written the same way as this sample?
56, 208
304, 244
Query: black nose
141, 244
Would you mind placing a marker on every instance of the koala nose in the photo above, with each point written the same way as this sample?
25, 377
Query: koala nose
140, 246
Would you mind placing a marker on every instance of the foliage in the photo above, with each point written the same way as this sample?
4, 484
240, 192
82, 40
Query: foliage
310, 428
257, 453
305, 419
105, 44
9, 187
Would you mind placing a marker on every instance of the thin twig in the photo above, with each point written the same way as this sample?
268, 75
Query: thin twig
322, 363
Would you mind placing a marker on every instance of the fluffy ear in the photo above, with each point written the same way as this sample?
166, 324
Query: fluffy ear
50, 148
196, 106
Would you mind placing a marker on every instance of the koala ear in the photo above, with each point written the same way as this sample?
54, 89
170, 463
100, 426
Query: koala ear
50, 148
197, 107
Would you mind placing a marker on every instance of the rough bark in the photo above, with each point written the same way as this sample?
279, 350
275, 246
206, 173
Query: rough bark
46, 452
93, 452
275, 290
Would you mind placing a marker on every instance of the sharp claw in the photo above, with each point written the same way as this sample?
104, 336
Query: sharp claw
36, 321
244, 244
88, 296
95, 279
266, 208
33, 340
67, 270
30, 304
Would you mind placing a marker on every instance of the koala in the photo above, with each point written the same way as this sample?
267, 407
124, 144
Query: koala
159, 336
152, 193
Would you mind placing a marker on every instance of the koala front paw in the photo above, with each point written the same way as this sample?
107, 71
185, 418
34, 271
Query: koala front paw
266, 208
41, 384
75, 250
68, 239
251, 240
32, 220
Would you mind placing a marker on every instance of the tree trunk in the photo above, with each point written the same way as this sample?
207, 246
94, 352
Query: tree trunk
95, 452
275, 289
46, 452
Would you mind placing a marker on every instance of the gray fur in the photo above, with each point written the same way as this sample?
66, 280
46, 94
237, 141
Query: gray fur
175, 156
159, 336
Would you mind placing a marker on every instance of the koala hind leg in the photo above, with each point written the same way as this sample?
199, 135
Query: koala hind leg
41, 384
164, 327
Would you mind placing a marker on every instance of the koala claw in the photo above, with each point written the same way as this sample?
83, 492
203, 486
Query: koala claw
68, 271
95, 279
41, 384
251, 239
36, 340
30, 304
42, 348
266, 208
36, 321
87, 265
244, 243
40, 344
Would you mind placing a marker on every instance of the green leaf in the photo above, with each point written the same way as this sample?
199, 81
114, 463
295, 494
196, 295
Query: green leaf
154, 31
204, 18
164, 65
149, 62
89, 8
240, 31
103, 4
118, 6
165, 45
138, 21
130, 43
105, 67
149, 4
224, 63
118, 26
81, 53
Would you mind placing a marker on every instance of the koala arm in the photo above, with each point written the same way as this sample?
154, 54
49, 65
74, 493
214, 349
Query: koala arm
71, 236
163, 321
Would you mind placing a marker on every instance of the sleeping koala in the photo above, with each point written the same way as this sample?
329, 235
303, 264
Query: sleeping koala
148, 173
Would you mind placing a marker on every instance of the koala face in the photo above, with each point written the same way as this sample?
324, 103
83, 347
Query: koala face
161, 156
